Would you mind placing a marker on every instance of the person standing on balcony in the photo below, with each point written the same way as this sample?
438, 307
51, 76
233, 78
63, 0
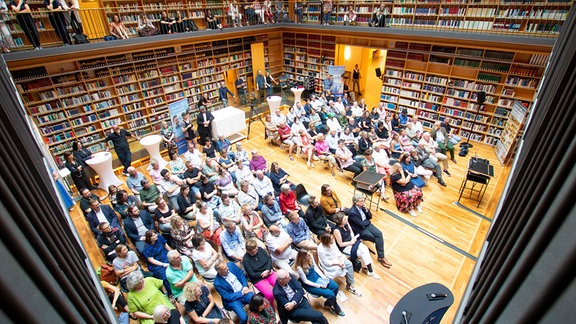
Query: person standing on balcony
25, 20
58, 19
326, 12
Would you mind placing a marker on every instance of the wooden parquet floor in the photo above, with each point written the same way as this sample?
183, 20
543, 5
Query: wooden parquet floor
417, 258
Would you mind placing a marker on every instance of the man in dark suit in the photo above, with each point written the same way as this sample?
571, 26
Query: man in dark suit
133, 226
291, 303
232, 285
204, 121
359, 218
101, 213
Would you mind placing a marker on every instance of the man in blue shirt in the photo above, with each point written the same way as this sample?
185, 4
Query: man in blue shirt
233, 242
223, 91
299, 232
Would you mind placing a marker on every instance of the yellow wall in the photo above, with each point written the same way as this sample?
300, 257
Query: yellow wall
94, 21
370, 85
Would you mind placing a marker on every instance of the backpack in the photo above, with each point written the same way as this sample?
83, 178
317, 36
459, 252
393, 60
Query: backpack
80, 39
106, 273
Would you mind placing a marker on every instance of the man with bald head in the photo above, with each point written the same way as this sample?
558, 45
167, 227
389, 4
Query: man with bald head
134, 181
292, 305
280, 248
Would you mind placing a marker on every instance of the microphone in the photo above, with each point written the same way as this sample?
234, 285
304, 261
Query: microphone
438, 295
404, 315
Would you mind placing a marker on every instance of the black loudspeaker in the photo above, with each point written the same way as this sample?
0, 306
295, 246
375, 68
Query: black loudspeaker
378, 72
481, 97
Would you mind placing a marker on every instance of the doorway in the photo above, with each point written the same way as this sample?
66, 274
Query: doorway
368, 60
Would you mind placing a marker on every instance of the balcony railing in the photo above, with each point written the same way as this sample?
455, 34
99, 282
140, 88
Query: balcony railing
42, 28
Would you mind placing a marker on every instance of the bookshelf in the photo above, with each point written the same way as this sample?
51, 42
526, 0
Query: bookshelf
307, 56
434, 81
507, 144
81, 99
540, 17
544, 18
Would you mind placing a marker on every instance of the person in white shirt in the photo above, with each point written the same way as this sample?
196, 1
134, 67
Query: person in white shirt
248, 195
431, 147
243, 173
417, 125
235, 14
229, 211
339, 105
332, 140
356, 110
278, 118
170, 185
295, 130
280, 247
193, 155
316, 104
263, 184
381, 111
333, 123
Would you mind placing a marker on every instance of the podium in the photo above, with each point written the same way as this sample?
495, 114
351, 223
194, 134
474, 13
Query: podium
425, 304
274, 104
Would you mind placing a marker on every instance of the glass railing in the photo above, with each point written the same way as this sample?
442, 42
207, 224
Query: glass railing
134, 18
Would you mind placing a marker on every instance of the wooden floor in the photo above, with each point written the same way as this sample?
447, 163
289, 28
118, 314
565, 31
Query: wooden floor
417, 258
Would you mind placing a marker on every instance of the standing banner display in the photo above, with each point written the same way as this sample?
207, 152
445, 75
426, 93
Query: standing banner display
336, 72
176, 109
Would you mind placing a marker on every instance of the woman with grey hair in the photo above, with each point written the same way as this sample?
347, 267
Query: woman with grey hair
163, 314
144, 295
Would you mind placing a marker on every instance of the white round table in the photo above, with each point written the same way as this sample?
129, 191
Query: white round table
297, 95
274, 103
102, 164
152, 145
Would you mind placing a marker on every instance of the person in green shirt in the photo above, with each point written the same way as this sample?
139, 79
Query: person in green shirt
149, 194
144, 295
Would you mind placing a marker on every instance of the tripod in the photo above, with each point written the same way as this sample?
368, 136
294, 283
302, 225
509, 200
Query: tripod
253, 117
464, 147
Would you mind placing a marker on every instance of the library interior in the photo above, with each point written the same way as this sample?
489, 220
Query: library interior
412, 124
